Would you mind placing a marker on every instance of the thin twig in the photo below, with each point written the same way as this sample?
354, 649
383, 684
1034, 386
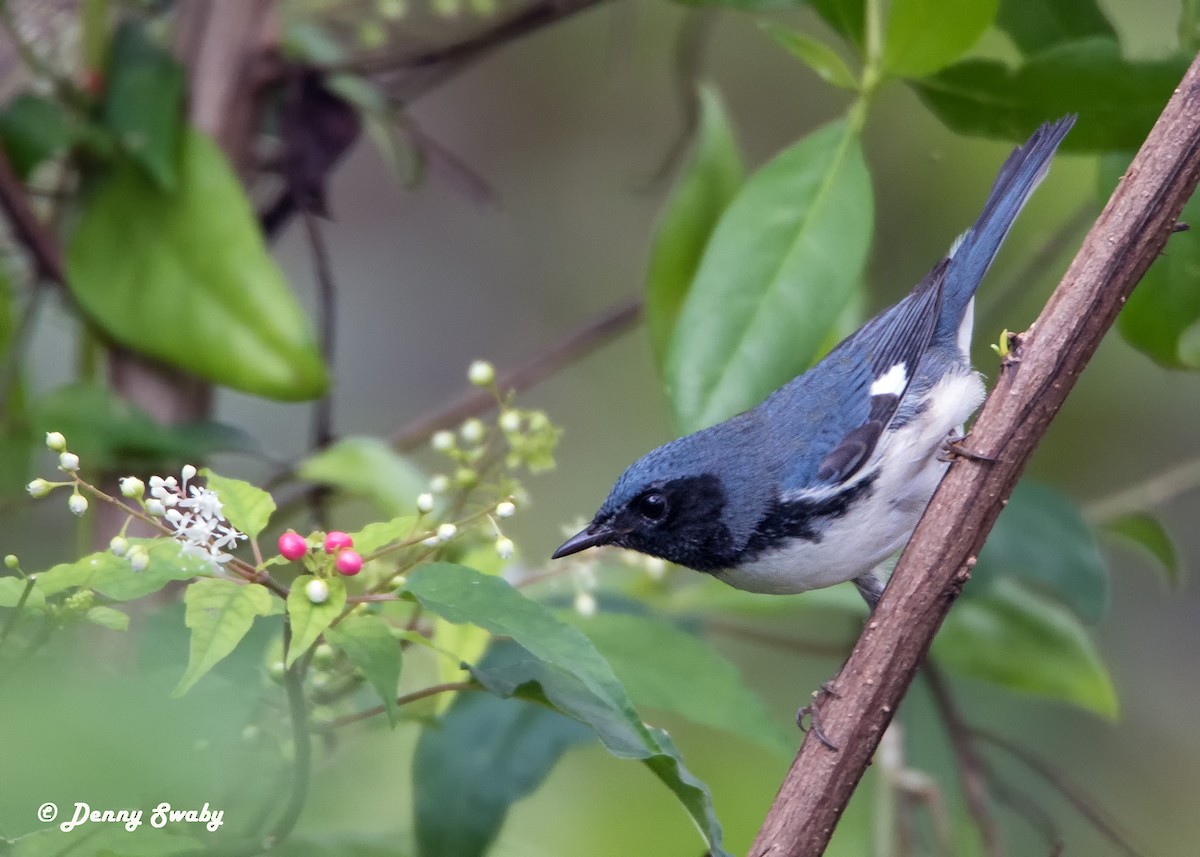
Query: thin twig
1029, 809
322, 414
366, 714
30, 582
1056, 778
1152, 492
28, 228
574, 346
972, 770
293, 683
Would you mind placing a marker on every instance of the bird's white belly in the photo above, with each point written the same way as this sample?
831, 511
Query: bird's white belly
877, 526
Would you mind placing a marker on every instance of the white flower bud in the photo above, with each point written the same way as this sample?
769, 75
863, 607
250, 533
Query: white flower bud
446, 532
425, 503
155, 507
510, 421
132, 487
442, 441
55, 442
439, 484
431, 542
139, 559
505, 547
188, 472
506, 509
481, 373
39, 488
472, 431
118, 546
317, 591
77, 503
68, 461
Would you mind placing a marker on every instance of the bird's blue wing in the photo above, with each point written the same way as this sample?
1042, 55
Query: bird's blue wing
834, 414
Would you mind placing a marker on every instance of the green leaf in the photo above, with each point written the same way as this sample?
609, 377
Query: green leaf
707, 184
815, 54
372, 537
1149, 534
114, 578
747, 5
33, 130
245, 506
846, 17
667, 668
368, 642
107, 617
1035, 25
783, 262
484, 755
201, 292
1160, 317
143, 102
310, 620
369, 468
11, 589
926, 35
1016, 639
567, 667
219, 612
1117, 100
1041, 537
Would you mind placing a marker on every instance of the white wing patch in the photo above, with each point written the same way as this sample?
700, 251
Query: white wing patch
892, 382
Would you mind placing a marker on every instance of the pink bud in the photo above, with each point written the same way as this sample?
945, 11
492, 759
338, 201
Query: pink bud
349, 562
337, 540
292, 545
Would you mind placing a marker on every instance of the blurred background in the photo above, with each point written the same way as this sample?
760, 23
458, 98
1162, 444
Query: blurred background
561, 138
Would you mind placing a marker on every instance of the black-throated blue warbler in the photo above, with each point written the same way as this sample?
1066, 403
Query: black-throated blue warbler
827, 477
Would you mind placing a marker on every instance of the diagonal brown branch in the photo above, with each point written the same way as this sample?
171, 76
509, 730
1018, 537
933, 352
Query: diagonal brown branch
1127, 237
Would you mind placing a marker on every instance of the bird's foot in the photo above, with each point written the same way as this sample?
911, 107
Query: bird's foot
812, 710
952, 447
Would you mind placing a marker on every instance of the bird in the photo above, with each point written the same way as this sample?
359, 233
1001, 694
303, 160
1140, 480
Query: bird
827, 477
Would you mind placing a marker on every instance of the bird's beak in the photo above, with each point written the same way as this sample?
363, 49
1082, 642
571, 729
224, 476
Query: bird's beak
592, 535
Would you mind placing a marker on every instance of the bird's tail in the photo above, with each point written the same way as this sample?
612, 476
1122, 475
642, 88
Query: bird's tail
974, 250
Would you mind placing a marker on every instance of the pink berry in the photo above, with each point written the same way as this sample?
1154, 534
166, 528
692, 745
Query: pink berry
292, 545
337, 540
349, 562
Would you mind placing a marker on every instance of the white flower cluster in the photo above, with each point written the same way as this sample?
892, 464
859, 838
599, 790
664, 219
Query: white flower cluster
193, 514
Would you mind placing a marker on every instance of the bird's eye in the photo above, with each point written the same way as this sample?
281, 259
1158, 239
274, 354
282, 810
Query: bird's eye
652, 506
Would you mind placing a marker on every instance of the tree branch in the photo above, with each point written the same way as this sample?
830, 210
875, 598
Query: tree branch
1125, 240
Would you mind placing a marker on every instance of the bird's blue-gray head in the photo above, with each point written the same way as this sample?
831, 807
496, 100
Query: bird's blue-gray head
694, 501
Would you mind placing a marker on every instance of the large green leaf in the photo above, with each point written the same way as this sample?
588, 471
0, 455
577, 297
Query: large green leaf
310, 620
1035, 25
369, 468
483, 756
368, 642
709, 181
1162, 316
847, 17
1041, 537
143, 102
183, 276
926, 35
667, 668
219, 613
1117, 100
246, 506
113, 576
1022, 641
565, 664
783, 262
820, 57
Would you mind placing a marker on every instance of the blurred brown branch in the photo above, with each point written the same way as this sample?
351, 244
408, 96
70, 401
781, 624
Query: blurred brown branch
1126, 238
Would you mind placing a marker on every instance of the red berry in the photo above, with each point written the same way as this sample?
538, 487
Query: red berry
349, 562
292, 545
337, 540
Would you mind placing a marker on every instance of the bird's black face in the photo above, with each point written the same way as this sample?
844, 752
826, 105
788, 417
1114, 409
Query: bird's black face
679, 520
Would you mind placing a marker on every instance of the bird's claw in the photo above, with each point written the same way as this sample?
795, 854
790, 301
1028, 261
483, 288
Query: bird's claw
811, 710
953, 448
